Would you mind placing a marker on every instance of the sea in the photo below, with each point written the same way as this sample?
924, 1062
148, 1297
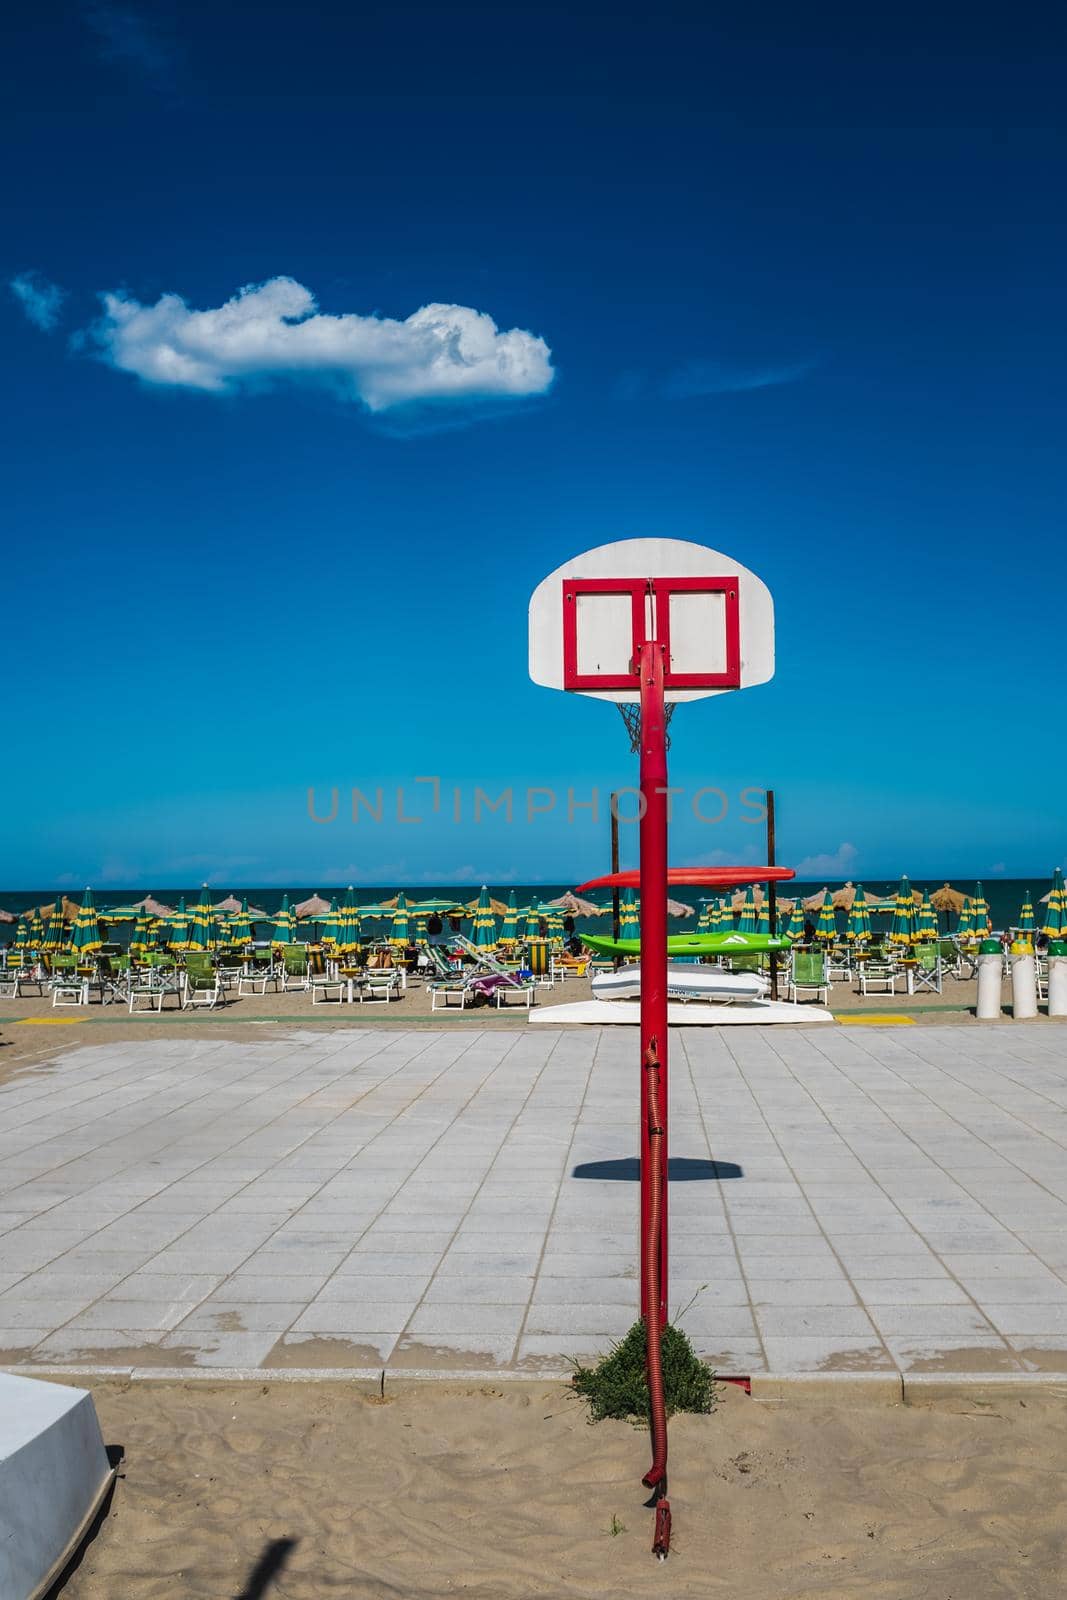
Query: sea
1005, 896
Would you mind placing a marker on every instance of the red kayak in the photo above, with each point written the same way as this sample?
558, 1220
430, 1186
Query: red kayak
694, 877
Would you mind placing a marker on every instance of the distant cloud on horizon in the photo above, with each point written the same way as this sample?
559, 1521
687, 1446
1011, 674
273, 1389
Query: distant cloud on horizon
721, 377
839, 864
273, 332
40, 299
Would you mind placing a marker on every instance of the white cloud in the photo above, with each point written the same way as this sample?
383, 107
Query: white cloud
837, 865
273, 331
39, 299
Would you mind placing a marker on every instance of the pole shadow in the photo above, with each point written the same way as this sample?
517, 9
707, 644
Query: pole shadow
273, 1558
680, 1169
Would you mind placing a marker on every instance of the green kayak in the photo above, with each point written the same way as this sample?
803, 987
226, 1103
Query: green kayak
691, 944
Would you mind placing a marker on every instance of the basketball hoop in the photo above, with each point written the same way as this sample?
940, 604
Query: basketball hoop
631, 715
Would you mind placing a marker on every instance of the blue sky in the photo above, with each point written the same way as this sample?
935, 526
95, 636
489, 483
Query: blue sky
791, 284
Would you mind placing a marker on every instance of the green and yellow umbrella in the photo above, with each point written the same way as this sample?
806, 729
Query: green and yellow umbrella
283, 924
1025, 923
1055, 923
85, 936
509, 926
980, 910
926, 930
203, 932
791, 926
763, 915
35, 931
965, 925
484, 922
350, 926
331, 927
902, 926
400, 932
238, 929
420, 936
22, 934
553, 923
706, 920
826, 925
533, 919
142, 934
629, 916
56, 933
178, 925
858, 929
749, 920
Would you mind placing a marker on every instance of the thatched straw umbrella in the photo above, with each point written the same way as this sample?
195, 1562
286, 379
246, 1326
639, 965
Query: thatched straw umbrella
572, 905
814, 902
8, 916
947, 899
228, 907
842, 899
677, 908
316, 908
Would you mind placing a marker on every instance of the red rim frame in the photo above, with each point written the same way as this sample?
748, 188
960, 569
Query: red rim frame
662, 590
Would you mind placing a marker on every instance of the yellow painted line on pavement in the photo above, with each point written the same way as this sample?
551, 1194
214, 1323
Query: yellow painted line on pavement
48, 1022
878, 1022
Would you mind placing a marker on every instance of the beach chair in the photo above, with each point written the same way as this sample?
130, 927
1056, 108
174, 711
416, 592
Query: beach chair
926, 974
294, 967
807, 971
69, 989
839, 964
380, 985
202, 986
881, 976
152, 984
325, 987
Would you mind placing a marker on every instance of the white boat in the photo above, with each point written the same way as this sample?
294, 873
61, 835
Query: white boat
684, 983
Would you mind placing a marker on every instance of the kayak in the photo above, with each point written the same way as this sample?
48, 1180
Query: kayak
691, 944
683, 983
694, 878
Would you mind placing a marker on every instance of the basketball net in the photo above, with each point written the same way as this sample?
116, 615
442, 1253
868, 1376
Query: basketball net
631, 715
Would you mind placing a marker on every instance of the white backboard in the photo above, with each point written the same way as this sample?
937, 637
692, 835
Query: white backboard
716, 617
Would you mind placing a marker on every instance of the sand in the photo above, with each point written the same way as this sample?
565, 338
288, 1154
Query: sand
244, 1492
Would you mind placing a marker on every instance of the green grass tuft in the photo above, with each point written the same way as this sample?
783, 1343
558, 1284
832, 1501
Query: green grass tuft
617, 1387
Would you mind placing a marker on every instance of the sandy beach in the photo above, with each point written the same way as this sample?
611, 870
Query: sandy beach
307, 1490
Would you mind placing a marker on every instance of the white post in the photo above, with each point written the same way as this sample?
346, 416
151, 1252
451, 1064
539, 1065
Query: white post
1057, 979
1023, 986
990, 966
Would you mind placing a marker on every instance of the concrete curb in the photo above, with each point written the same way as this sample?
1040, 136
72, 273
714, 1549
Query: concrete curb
797, 1388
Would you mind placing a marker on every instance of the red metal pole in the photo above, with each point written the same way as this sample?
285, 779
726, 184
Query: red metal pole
653, 779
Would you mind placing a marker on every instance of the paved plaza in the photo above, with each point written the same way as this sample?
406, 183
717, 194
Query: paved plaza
849, 1198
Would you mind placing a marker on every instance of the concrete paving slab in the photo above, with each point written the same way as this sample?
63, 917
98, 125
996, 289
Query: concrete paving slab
848, 1200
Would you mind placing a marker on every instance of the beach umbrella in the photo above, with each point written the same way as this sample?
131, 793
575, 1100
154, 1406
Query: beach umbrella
203, 930
400, 932
228, 907
965, 925
142, 934
283, 924
707, 921
349, 927
826, 925
509, 928
947, 899
749, 921
532, 929
1055, 923
980, 912
55, 936
35, 931
331, 924
926, 928
22, 934
629, 916
902, 927
484, 922
85, 936
858, 928
239, 928
178, 924
312, 909
792, 925
553, 923
763, 915
420, 936
1025, 924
